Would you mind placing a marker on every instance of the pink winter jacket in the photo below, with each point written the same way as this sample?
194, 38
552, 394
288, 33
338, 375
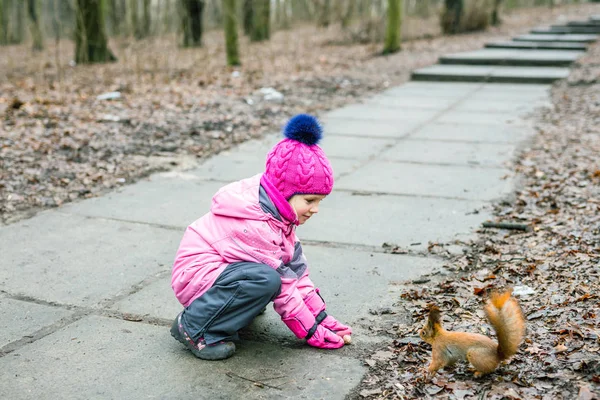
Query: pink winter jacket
237, 229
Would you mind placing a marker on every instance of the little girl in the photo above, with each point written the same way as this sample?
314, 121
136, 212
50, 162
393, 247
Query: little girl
244, 253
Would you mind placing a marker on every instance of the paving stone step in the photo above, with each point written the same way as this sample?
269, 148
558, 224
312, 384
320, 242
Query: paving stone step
595, 18
483, 73
537, 45
562, 29
568, 38
514, 57
588, 23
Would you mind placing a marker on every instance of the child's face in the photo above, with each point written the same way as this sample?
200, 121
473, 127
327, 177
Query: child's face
305, 205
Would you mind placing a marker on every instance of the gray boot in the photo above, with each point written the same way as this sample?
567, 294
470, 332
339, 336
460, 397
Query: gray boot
215, 351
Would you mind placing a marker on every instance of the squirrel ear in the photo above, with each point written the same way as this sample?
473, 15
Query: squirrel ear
435, 315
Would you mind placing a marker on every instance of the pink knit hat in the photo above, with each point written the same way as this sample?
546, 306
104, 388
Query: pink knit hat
297, 165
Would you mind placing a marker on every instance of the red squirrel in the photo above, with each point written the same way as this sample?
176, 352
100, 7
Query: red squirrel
504, 314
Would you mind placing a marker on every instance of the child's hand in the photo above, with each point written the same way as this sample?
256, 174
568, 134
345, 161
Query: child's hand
334, 325
325, 339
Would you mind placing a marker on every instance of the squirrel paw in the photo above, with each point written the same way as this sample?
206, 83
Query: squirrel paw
427, 375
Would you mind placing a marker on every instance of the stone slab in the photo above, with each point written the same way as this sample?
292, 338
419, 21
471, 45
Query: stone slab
595, 18
364, 128
356, 148
345, 297
409, 101
102, 358
512, 89
447, 90
458, 153
572, 38
567, 29
546, 58
367, 111
588, 23
255, 151
567, 46
482, 73
248, 158
470, 117
21, 318
173, 199
229, 168
429, 180
370, 219
370, 112
71, 259
484, 133
155, 300
509, 93
517, 107
528, 74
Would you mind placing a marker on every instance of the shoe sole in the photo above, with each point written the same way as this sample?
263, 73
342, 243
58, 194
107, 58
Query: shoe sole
177, 336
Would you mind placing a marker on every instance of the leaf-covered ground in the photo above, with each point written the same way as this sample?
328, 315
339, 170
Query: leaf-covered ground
59, 142
554, 268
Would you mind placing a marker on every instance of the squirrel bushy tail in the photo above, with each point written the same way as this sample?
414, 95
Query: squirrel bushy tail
505, 315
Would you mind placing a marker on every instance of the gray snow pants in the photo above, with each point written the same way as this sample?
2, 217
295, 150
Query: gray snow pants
238, 295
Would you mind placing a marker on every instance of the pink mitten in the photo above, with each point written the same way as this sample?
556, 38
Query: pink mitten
334, 325
304, 325
316, 305
325, 339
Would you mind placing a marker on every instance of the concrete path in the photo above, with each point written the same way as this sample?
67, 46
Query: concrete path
86, 302
85, 297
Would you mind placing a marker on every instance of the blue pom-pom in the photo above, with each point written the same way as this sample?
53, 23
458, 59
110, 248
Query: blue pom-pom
304, 128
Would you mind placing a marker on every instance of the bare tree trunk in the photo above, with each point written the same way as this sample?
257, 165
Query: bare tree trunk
134, 19
394, 21
90, 37
34, 25
423, 8
3, 32
147, 20
113, 18
114, 14
191, 22
216, 16
231, 33
347, 11
452, 15
248, 16
166, 18
261, 18
286, 13
267, 18
495, 20
12, 21
324, 16
21, 22
277, 13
